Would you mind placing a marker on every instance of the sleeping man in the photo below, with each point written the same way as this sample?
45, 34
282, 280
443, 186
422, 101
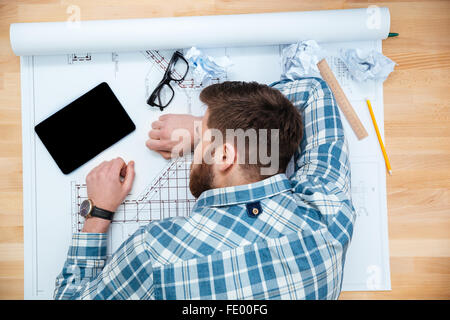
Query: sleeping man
254, 232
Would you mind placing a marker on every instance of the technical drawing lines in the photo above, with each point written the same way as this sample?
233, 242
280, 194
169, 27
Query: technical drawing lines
75, 57
162, 62
169, 195
166, 196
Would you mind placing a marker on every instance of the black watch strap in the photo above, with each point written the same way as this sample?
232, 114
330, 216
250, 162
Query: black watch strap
102, 213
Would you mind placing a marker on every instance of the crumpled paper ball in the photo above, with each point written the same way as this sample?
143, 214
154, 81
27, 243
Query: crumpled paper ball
205, 68
364, 65
300, 60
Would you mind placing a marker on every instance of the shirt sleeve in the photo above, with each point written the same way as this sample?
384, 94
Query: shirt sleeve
87, 274
321, 164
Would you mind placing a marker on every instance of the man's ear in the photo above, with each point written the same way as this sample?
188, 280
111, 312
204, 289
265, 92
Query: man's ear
226, 157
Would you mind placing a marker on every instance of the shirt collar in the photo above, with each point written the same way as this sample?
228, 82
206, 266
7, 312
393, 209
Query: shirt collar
244, 193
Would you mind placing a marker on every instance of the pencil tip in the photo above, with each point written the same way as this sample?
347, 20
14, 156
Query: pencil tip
390, 172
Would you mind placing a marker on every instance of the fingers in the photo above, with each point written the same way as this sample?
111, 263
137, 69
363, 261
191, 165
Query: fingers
155, 134
164, 116
116, 166
161, 147
113, 169
104, 185
167, 116
123, 172
161, 137
157, 145
166, 154
129, 177
157, 124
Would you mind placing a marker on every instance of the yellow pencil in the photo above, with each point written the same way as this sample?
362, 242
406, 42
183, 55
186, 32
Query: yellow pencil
388, 165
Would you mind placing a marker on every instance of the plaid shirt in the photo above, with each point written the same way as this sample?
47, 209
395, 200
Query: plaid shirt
294, 248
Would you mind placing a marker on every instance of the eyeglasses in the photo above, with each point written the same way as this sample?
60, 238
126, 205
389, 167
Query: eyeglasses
177, 70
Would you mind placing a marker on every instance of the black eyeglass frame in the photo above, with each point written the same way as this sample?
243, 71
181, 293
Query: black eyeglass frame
167, 78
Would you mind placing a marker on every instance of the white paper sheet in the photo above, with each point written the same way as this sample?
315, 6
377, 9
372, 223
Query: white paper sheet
206, 31
49, 82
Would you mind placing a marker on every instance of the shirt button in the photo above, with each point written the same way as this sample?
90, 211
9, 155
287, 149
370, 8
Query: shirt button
253, 209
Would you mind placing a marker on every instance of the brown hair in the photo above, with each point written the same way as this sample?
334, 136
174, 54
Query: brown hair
250, 105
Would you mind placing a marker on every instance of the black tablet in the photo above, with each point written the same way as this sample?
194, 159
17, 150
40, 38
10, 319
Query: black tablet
84, 128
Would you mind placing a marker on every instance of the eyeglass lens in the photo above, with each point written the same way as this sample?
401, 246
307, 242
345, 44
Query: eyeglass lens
165, 95
178, 69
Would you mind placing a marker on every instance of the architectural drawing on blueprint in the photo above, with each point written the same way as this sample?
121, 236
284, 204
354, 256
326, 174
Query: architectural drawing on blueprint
364, 257
167, 196
161, 188
76, 57
188, 88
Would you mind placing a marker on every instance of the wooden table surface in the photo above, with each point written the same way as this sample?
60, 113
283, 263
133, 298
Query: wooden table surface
416, 97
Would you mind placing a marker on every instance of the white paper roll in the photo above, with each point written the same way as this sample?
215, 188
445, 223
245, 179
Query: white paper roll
47, 38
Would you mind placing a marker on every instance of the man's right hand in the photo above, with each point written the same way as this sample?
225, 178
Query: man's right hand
174, 134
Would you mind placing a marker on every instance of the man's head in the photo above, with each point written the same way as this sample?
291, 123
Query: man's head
250, 131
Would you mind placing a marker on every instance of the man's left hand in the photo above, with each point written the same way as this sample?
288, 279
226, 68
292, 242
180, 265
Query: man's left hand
107, 189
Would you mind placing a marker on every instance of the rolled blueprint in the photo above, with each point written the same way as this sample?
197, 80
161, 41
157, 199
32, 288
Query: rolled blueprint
47, 38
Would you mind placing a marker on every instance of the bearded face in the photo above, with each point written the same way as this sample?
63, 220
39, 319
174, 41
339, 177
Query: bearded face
201, 178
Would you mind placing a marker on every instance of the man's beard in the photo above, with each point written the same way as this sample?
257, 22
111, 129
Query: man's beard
200, 179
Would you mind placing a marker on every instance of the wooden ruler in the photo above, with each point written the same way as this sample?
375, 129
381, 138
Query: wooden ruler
341, 98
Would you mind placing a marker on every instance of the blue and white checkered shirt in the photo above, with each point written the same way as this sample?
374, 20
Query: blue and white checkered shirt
294, 248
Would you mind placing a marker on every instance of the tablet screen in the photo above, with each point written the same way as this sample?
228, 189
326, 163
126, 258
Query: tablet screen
84, 128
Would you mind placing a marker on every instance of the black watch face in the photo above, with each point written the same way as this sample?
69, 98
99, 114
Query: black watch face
85, 208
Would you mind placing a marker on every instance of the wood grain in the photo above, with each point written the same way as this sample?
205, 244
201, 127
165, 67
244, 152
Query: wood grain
417, 133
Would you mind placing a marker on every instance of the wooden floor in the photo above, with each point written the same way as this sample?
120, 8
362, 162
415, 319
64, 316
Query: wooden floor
417, 115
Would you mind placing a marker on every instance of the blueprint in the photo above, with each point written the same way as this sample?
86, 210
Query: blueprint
161, 188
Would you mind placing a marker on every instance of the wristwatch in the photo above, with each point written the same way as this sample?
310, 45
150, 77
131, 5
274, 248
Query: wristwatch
87, 210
